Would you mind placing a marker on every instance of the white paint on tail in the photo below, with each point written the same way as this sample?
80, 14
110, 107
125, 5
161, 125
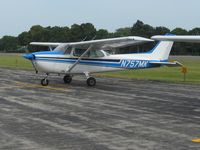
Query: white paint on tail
162, 50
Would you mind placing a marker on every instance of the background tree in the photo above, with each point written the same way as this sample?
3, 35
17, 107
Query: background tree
123, 32
179, 31
141, 29
9, 43
194, 48
61, 34
87, 31
24, 38
161, 30
102, 34
180, 48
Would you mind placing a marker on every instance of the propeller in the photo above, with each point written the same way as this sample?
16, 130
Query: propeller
30, 56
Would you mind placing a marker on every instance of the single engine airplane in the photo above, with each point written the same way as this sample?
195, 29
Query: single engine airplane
86, 57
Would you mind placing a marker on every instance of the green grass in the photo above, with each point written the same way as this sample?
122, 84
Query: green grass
166, 74
14, 61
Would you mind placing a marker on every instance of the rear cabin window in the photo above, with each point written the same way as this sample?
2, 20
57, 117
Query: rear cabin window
91, 54
78, 52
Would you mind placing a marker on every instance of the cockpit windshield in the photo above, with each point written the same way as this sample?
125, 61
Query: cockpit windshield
61, 47
65, 48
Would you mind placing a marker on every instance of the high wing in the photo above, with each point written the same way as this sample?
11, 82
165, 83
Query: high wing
112, 42
45, 44
99, 44
177, 38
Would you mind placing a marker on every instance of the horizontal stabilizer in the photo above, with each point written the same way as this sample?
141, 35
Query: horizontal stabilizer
169, 64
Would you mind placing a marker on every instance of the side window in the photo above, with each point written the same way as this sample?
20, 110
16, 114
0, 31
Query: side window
68, 51
78, 52
99, 54
92, 54
96, 54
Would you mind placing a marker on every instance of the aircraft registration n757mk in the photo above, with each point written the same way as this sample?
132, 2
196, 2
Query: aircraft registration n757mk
87, 57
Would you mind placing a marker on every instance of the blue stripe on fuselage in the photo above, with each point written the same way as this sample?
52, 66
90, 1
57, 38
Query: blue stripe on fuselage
48, 53
127, 64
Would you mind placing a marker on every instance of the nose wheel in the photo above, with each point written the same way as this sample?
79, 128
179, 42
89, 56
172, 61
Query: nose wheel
44, 82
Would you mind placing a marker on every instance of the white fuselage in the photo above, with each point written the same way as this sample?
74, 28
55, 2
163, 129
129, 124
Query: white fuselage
61, 63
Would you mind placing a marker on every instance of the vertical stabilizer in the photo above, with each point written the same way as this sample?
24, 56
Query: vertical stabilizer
162, 50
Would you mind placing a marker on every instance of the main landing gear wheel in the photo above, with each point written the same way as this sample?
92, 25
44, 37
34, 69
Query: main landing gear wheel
91, 81
44, 82
67, 79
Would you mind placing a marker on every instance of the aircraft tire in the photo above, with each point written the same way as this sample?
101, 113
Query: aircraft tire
44, 82
91, 81
67, 79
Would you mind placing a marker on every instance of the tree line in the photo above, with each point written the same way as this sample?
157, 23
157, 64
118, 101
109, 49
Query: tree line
87, 31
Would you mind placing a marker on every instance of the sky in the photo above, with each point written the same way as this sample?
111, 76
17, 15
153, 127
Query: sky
17, 16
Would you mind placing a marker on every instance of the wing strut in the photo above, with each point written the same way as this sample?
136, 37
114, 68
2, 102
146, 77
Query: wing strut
79, 59
50, 48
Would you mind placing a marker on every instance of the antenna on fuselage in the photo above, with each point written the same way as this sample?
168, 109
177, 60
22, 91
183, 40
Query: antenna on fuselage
91, 39
84, 38
94, 37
